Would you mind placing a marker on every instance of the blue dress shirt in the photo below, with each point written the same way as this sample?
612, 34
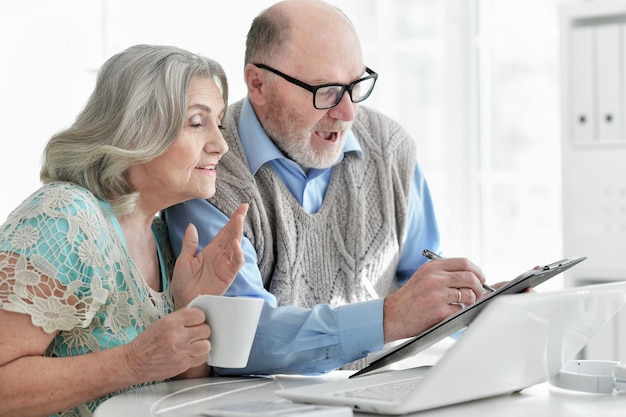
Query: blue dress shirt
292, 339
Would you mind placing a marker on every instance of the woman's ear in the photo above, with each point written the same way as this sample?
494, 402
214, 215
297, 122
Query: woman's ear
255, 81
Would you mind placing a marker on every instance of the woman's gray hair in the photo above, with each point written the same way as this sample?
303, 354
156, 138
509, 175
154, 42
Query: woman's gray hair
134, 114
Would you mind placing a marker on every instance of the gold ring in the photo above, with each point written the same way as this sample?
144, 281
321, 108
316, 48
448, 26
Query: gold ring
460, 295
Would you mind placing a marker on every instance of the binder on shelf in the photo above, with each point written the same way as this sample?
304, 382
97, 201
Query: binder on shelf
608, 75
581, 85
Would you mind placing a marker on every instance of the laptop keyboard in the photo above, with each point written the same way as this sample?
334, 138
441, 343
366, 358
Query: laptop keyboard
390, 391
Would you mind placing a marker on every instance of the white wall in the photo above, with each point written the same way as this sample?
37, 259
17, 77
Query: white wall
42, 82
51, 50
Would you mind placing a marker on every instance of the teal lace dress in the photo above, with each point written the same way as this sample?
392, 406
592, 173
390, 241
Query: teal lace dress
65, 264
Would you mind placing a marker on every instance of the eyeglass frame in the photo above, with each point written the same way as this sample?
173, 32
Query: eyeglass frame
314, 88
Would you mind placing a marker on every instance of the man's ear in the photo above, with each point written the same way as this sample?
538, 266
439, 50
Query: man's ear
255, 81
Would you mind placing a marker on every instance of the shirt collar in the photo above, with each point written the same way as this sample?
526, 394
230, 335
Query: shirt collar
260, 149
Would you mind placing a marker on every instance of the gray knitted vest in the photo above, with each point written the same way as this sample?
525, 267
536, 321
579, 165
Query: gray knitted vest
349, 250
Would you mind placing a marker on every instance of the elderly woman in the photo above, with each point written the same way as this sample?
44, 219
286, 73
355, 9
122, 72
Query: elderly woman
90, 304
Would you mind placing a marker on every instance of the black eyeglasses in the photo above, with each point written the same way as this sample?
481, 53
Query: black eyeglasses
327, 96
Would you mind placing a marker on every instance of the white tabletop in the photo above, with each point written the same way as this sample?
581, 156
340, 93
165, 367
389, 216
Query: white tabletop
190, 397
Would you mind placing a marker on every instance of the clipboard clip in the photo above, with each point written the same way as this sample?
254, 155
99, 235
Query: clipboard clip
556, 264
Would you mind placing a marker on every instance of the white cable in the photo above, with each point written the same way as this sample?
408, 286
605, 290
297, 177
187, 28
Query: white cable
155, 410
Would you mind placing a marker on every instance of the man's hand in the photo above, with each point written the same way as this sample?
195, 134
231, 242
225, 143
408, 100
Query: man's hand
434, 292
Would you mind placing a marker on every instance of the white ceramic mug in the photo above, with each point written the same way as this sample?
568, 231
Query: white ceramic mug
233, 322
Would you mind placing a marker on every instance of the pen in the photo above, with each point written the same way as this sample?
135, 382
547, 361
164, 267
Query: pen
432, 255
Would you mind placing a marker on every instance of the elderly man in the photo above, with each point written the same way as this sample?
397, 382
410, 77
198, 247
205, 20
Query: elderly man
339, 209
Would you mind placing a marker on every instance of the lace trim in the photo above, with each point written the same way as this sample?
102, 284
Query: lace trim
63, 263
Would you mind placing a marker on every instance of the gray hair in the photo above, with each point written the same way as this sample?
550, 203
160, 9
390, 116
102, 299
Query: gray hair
267, 34
270, 31
134, 114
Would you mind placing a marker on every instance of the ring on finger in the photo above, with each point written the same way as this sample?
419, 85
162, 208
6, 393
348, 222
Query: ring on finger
460, 295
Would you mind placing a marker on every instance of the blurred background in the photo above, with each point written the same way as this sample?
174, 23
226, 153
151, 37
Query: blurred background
475, 82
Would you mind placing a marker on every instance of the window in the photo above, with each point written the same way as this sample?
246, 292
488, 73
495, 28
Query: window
476, 84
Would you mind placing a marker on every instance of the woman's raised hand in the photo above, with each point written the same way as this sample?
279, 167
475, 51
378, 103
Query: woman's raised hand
213, 269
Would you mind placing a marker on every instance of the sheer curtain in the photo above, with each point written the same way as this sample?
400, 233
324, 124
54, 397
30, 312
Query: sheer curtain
475, 82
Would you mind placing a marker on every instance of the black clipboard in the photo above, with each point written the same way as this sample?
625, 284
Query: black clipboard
463, 318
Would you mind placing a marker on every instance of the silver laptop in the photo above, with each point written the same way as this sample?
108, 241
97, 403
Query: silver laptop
515, 342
